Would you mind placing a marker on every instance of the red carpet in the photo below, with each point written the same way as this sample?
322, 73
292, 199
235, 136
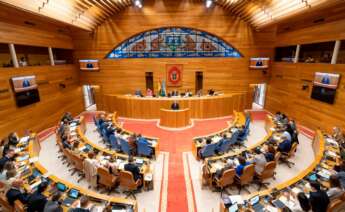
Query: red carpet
176, 142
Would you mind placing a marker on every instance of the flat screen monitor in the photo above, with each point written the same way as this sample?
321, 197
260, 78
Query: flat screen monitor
89, 65
325, 87
259, 62
25, 90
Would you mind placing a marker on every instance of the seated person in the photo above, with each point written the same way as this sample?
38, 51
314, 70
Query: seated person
270, 153
53, 205
224, 139
287, 135
174, 93
75, 148
241, 166
142, 139
9, 165
11, 176
149, 92
16, 193
285, 146
9, 156
338, 136
259, 161
175, 106
66, 143
37, 200
67, 117
132, 142
208, 142
278, 116
82, 205
335, 189
318, 198
133, 168
13, 139
229, 165
340, 173
138, 93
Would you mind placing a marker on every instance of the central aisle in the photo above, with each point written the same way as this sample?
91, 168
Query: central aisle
177, 142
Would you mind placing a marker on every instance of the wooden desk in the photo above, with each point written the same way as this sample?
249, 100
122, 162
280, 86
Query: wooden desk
200, 107
175, 118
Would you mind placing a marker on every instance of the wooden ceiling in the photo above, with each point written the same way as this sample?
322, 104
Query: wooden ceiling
261, 13
88, 14
85, 14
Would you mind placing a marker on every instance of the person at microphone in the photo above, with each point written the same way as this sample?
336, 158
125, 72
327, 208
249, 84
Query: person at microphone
175, 105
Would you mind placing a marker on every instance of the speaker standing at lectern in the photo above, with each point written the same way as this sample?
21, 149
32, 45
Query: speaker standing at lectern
175, 106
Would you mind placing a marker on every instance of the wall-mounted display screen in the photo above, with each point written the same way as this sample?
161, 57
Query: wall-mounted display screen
25, 89
325, 87
259, 62
89, 65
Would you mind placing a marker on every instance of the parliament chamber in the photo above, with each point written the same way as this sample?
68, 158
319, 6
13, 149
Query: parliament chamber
172, 105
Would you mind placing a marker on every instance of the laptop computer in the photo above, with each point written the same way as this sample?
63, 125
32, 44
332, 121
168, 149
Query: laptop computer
58, 187
278, 204
72, 196
255, 203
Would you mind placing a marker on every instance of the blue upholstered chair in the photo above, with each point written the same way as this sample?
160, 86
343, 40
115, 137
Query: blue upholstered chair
105, 135
125, 146
114, 143
144, 148
208, 150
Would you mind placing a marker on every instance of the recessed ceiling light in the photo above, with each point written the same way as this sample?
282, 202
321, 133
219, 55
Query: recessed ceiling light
209, 3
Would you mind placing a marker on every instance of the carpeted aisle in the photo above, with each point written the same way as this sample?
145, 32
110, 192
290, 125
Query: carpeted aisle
176, 142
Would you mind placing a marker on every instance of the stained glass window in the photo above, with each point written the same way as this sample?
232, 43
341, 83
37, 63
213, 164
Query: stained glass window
173, 42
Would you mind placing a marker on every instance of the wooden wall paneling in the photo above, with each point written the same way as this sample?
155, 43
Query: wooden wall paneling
54, 101
285, 94
123, 76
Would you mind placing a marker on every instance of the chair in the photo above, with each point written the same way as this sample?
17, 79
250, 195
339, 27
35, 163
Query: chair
208, 150
206, 177
336, 205
105, 136
284, 158
226, 179
78, 166
246, 178
106, 179
128, 184
125, 146
268, 172
144, 149
242, 138
113, 142
4, 203
19, 206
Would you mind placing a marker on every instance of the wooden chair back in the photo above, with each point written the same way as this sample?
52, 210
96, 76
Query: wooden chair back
4, 203
227, 178
127, 180
292, 150
105, 178
268, 171
19, 206
247, 175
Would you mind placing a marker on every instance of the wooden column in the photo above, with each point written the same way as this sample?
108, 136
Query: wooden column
336, 51
298, 48
13, 55
51, 56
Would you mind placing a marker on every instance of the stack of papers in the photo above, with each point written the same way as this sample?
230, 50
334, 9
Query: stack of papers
236, 199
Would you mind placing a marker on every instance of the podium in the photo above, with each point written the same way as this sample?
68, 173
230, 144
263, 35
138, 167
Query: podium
174, 118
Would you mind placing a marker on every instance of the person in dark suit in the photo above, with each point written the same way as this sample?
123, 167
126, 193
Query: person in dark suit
270, 153
318, 198
13, 139
37, 200
284, 146
134, 169
67, 117
8, 157
15, 193
53, 205
175, 106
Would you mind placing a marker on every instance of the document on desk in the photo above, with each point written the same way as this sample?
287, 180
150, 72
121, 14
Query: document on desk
271, 208
236, 199
218, 165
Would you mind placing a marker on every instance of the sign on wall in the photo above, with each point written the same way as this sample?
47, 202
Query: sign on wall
174, 75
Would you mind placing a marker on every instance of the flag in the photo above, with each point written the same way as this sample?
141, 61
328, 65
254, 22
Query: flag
163, 92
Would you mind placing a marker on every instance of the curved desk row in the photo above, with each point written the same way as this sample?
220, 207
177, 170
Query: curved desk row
200, 107
239, 119
319, 147
33, 151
